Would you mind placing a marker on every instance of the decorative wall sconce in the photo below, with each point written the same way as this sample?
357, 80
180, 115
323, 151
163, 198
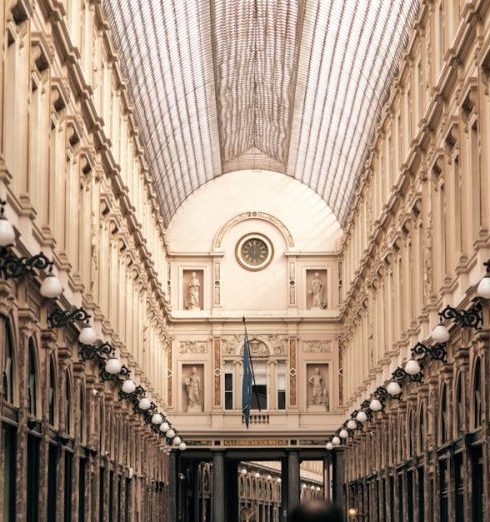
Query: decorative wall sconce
436, 352
470, 318
14, 267
61, 319
412, 371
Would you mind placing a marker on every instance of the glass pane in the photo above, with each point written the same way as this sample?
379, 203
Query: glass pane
259, 397
281, 400
228, 382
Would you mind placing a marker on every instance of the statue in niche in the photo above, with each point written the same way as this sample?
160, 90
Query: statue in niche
316, 291
193, 388
319, 390
193, 293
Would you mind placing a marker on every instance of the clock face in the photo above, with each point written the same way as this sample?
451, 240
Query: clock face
254, 252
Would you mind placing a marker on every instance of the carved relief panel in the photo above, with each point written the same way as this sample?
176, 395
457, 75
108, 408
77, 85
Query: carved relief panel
316, 289
192, 289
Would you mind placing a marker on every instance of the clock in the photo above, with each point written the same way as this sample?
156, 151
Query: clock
254, 252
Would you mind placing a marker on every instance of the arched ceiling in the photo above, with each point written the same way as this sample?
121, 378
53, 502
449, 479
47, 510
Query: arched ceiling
293, 86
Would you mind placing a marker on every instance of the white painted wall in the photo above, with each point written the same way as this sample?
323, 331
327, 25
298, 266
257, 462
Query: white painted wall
308, 218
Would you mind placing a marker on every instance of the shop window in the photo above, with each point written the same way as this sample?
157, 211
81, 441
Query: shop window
52, 481
443, 491
68, 486
477, 497
9, 472
82, 471
33, 459
8, 366
32, 380
459, 489
477, 399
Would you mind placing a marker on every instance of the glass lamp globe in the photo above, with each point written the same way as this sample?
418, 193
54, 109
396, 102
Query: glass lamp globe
257, 475
343, 434
170, 434
51, 287
113, 365
393, 388
177, 440
361, 416
182, 446
412, 367
164, 427
312, 487
329, 446
483, 288
375, 405
278, 480
352, 424
7, 232
128, 386
244, 471
156, 419
336, 441
269, 477
440, 334
317, 488
144, 404
89, 336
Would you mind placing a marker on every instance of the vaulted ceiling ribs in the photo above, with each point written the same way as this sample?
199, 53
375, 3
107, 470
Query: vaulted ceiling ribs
288, 85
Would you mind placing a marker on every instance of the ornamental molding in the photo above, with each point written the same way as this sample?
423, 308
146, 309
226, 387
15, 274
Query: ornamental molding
245, 216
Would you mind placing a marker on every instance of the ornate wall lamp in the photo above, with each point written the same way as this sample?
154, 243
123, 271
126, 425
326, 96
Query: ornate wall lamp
14, 267
470, 318
62, 318
421, 352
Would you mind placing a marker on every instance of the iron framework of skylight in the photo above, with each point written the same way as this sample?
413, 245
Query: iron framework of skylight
288, 85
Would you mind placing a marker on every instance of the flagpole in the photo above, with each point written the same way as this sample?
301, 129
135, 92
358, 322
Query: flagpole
251, 367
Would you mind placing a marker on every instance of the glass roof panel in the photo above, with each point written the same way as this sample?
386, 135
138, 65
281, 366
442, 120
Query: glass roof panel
296, 85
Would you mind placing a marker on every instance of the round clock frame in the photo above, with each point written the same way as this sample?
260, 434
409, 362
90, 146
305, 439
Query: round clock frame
262, 259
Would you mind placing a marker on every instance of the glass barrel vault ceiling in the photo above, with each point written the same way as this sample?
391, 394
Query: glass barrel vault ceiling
288, 85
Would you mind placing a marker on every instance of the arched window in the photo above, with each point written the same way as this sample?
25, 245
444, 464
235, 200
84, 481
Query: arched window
459, 406
81, 414
410, 434
8, 364
443, 416
477, 399
32, 379
52, 392
101, 426
67, 405
421, 430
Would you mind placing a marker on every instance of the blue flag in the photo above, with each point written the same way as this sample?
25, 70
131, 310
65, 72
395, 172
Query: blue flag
247, 381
